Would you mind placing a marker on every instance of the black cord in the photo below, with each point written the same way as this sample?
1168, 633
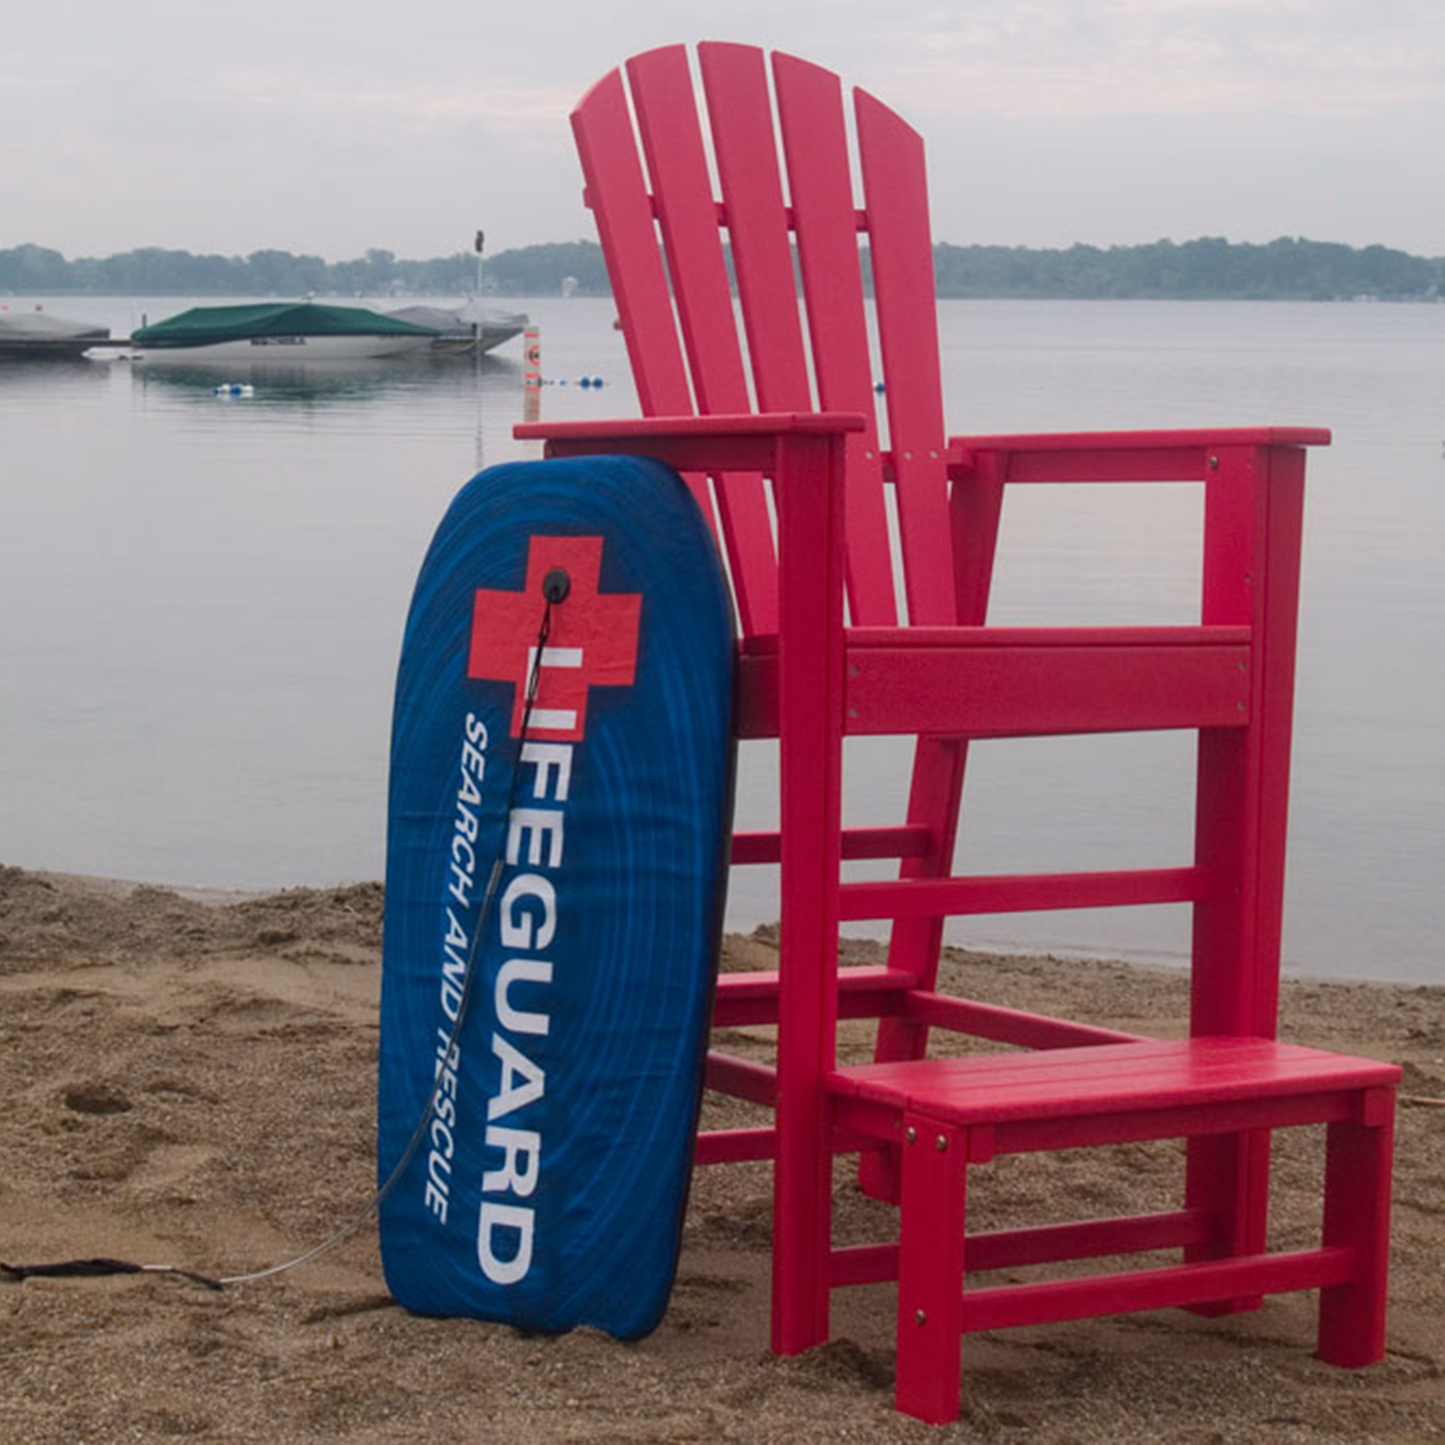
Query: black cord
77, 1268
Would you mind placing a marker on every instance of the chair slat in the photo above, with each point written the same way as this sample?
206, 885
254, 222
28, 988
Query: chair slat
617, 195
619, 200
810, 112
667, 122
662, 94
735, 81
896, 192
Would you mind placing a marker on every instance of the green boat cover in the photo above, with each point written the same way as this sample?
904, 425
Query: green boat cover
207, 325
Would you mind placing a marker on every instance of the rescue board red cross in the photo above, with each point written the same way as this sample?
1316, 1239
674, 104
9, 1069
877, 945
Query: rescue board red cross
593, 640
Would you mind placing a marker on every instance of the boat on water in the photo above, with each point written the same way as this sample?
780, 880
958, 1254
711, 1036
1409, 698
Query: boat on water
465, 330
37, 336
279, 331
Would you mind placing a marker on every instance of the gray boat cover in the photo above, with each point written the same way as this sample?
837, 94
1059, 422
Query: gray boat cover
42, 326
456, 323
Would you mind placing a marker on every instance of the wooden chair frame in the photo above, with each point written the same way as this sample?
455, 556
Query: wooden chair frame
813, 669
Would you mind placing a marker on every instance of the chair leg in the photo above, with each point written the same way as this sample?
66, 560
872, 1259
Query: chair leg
810, 710
915, 943
1228, 1174
802, 1228
930, 1271
1358, 1164
975, 510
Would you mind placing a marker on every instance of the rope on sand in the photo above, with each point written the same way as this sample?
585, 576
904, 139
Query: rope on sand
90, 1268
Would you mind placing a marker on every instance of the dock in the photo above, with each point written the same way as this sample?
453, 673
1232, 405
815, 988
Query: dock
52, 348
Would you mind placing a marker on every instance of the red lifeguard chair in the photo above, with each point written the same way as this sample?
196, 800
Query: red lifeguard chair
778, 419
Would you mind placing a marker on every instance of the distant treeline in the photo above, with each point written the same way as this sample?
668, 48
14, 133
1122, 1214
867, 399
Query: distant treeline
1208, 268
151, 271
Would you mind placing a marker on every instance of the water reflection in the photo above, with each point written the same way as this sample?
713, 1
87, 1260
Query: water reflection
44, 374
323, 383
426, 396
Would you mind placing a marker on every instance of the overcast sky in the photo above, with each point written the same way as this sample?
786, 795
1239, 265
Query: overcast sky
329, 127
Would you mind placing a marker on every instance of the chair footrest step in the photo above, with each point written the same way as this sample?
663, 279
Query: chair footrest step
1106, 1078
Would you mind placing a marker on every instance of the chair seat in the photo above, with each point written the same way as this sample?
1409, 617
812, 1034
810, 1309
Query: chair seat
1152, 1074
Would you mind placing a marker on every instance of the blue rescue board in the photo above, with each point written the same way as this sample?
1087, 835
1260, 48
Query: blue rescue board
549, 1188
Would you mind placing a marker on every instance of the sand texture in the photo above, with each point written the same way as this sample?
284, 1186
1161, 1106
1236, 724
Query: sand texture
192, 1080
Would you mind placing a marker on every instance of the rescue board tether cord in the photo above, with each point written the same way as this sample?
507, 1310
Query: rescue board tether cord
555, 586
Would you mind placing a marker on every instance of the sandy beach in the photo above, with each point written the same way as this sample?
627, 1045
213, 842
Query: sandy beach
190, 1079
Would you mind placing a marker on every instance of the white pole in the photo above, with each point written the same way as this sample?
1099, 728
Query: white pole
477, 316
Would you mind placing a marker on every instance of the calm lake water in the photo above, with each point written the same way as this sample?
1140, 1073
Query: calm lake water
201, 604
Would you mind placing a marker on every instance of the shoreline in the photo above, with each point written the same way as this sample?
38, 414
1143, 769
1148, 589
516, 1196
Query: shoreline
190, 1077
220, 896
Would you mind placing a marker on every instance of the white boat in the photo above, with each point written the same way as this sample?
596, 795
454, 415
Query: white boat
465, 330
36, 335
279, 331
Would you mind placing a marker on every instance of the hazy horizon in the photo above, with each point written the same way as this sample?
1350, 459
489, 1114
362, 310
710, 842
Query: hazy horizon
1048, 122
359, 252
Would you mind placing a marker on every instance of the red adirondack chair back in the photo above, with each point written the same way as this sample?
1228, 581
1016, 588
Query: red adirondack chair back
655, 184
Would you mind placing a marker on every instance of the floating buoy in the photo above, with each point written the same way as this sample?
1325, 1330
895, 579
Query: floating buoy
235, 388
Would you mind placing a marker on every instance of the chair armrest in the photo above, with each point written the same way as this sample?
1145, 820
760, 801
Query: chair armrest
1163, 456
1256, 436
744, 442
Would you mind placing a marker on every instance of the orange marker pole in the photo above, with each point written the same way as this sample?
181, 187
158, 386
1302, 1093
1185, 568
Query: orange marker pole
532, 374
